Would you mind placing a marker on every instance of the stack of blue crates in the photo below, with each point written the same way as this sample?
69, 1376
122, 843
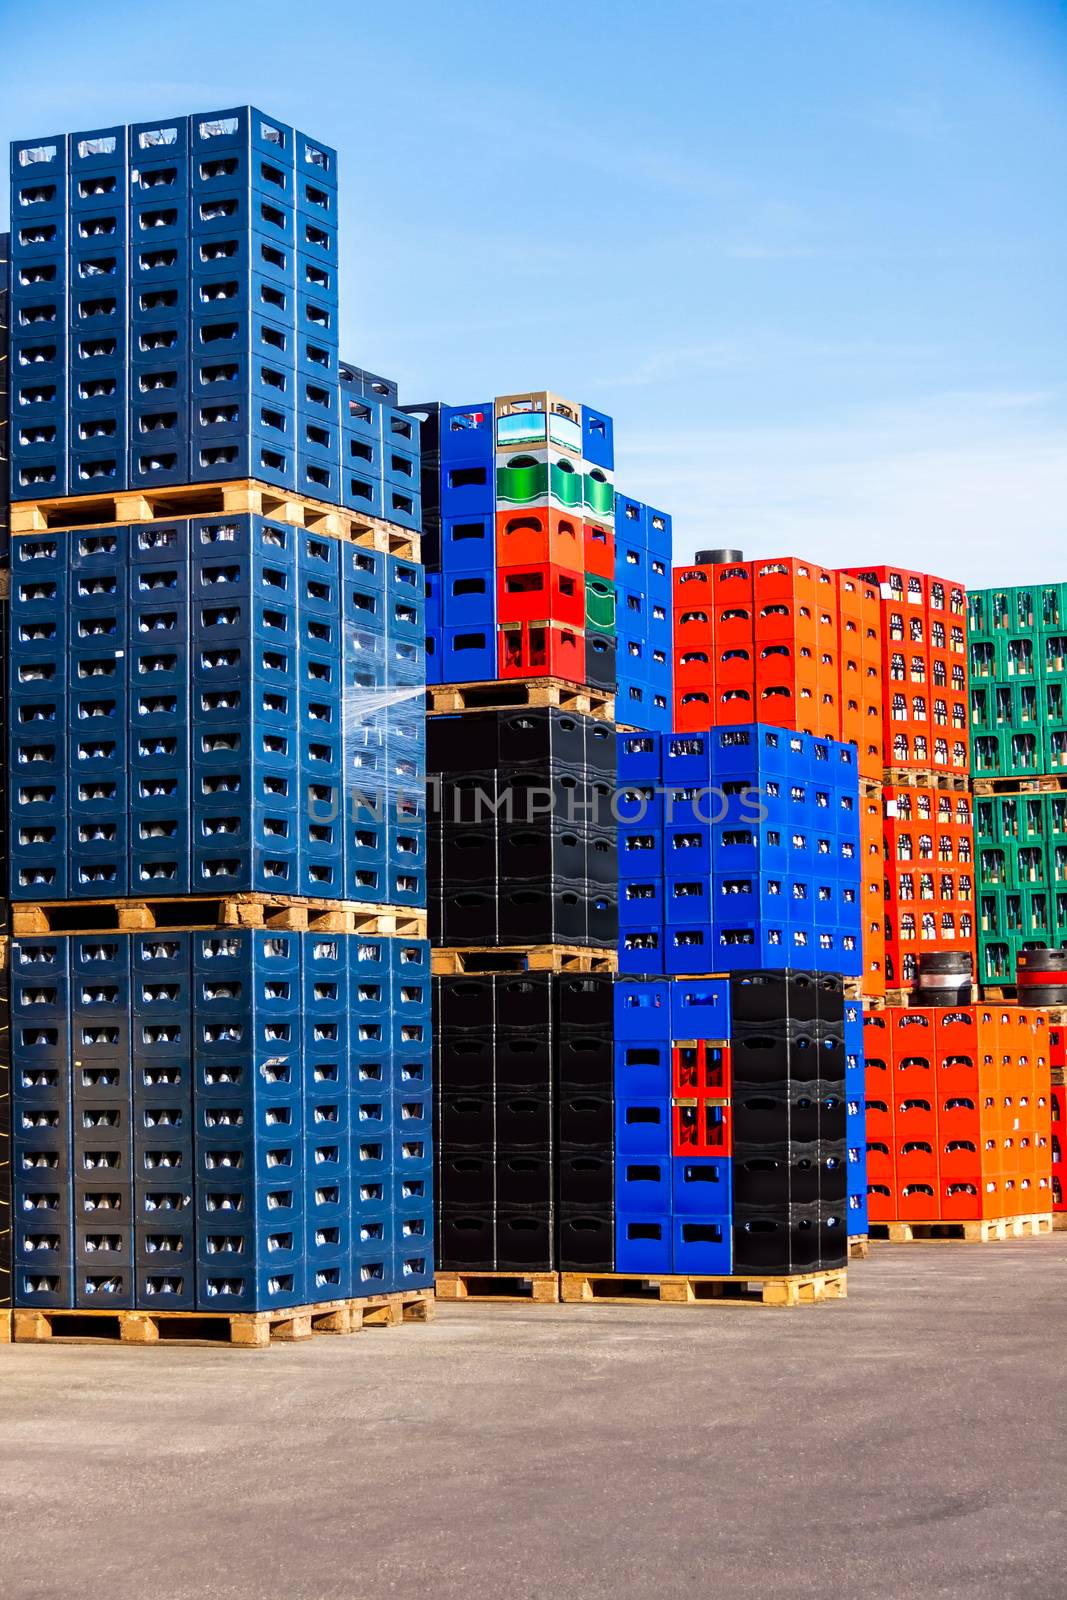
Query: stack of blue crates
175, 312
856, 1118
215, 705
673, 1212
461, 616
233, 1120
202, 710
738, 847
643, 555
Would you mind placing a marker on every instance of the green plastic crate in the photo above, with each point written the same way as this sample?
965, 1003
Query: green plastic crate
985, 820
599, 605
996, 960
1020, 656
1051, 602
995, 864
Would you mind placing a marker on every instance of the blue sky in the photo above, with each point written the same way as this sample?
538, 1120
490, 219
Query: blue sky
809, 253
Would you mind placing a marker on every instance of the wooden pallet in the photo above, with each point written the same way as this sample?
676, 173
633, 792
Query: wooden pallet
619, 1288
215, 499
870, 788
1042, 783
859, 1247
987, 1231
853, 990
507, 694
252, 1330
1059, 1222
522, 958
295, 913
926, 778
499, 1288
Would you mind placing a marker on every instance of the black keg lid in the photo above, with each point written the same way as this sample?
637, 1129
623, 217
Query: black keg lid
946, 961
715, 558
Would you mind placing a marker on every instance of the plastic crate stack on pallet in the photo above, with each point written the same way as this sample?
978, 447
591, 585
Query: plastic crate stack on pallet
758, 829
5, 1053
643, 540
731, 1123
959, 1121
1018, 656
175, 319
790, 643
525, 1152
221, 999
522, 549
1021, 871
1058, 1137
928, 823
522, 837
738, 845
523, 875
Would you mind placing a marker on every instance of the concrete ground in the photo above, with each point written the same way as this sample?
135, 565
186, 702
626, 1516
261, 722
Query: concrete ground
907, 1442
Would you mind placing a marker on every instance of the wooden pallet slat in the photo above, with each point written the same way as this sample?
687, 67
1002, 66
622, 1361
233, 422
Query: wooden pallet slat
859, 1247
500, 1288
293, 913
1039, 783
521, 958
986, 1230
211, 499
926, 778
249, 1330
619, 1288
446, 699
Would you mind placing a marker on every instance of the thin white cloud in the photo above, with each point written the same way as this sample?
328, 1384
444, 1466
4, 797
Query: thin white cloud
956, 484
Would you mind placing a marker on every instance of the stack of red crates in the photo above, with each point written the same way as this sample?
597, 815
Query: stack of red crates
929, 876
701, 1097
924, 670
873, 876
785, 642
958, 1114
540, 598
1058, 1058
860, 611
928, 834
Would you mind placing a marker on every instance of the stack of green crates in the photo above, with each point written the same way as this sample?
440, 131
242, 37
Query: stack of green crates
1021, 846
1018, 655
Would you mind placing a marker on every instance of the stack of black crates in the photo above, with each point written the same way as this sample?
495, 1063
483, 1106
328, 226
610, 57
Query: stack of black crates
523, 868
789, 1166
523, 1067
522, 837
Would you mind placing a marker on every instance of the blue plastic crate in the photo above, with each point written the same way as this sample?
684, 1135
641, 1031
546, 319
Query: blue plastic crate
642, 1068
640, 902
642, 1127
642, 1244
702, 1245
641, 950
702, 1187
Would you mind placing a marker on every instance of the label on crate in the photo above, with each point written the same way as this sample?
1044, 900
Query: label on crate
890, 808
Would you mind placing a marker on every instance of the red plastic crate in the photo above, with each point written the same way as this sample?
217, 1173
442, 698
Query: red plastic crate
527, 650
541, 593
701, 1127
538, 536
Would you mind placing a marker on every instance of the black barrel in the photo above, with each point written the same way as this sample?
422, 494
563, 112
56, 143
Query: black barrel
1041, 977
944, 978
716, 558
